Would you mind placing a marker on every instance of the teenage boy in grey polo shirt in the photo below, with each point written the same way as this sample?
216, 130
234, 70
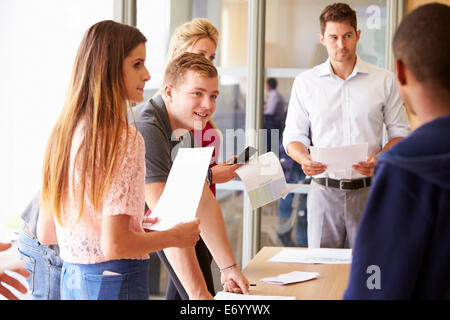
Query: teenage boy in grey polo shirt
187, 101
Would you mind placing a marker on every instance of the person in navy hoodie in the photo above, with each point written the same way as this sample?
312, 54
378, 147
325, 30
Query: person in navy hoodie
402, 249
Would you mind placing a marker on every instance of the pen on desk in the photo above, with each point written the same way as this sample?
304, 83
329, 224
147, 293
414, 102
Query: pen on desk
252, 284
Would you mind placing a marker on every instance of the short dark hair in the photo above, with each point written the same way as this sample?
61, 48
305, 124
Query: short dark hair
272, 82
422, 43
338, 12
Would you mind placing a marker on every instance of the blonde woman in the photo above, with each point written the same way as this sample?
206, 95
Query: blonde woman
92, 200
200, 36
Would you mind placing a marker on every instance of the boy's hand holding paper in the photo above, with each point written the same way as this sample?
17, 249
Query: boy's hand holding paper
183, 189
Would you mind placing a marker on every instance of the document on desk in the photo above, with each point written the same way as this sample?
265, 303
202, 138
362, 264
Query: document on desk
291, 277
183, 190
320, 255
264, 180
339, 160
234, 296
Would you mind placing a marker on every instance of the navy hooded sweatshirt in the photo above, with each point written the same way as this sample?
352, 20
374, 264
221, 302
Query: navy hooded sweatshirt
402, 249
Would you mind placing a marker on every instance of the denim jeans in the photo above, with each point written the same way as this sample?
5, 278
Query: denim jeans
44, 265
124, 279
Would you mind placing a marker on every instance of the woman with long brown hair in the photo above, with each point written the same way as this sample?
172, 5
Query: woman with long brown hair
92, 200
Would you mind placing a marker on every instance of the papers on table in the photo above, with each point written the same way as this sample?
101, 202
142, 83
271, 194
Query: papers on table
320, 255
183, 190
234, 296
339, 160
264, 180
291, 277
10, 260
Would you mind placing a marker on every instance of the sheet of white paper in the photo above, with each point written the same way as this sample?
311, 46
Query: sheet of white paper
339, 160
320, 255
10, 260
183, 190
234, 296
291, 277
264, 180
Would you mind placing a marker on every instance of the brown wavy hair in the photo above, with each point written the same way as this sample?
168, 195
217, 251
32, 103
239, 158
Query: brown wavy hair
338, 12
97, 94
187, 61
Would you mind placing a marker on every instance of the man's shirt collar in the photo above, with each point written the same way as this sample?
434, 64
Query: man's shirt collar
325, 68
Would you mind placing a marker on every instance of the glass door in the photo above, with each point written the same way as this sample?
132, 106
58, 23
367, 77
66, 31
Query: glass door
158, 20
292, 46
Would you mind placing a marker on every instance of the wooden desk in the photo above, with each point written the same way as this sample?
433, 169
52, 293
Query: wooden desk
330, 285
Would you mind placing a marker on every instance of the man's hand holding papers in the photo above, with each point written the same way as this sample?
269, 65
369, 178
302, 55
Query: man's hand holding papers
312, 168
340, 161
366, 168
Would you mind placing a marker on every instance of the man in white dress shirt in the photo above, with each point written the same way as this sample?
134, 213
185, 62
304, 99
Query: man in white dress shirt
343, 101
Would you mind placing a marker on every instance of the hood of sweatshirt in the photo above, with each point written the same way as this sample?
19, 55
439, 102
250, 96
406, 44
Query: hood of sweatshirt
425, 152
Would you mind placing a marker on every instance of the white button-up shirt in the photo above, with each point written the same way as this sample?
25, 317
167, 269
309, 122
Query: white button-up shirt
327, 111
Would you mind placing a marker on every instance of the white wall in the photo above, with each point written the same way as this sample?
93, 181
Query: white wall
38, 40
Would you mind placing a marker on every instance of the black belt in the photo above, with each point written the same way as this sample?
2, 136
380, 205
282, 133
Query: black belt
344, 184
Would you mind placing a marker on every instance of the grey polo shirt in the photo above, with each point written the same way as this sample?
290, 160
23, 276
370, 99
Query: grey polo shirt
31, 213
152, 121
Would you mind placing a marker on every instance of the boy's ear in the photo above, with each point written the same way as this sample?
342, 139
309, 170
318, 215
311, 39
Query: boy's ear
168, 92
400, 74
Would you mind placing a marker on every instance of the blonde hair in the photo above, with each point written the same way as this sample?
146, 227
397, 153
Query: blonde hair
189, 33
97, 94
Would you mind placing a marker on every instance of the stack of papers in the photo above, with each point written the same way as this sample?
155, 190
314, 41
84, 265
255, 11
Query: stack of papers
321, 255
292, 277
234, 296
